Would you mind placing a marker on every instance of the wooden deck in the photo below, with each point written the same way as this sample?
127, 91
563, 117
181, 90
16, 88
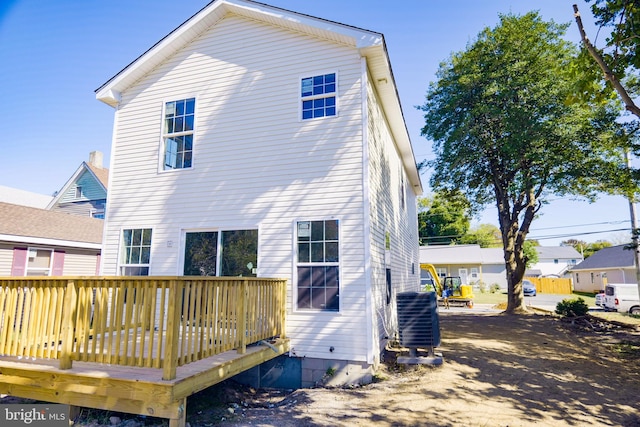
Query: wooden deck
136, 345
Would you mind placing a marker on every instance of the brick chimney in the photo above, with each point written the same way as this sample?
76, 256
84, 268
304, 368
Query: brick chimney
95, 159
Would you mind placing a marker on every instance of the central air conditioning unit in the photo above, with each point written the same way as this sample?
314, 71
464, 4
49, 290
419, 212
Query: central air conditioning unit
418, 322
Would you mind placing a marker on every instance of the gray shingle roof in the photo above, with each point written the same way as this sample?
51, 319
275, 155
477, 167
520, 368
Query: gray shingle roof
611, 257
25, 221
557, 252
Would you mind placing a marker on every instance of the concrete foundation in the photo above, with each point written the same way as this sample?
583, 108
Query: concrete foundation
292, 373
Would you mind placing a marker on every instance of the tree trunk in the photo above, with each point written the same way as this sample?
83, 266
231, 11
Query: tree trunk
515, 266
512, 240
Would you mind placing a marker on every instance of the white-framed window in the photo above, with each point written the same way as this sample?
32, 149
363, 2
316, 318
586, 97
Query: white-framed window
39, 262
474, 274
318, 96
318, 265
442, 272
135, 254
78, 194
177, 133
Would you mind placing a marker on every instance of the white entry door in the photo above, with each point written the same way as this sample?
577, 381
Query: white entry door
462, 272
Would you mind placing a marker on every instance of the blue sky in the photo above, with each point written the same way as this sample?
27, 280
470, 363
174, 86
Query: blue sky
56, 53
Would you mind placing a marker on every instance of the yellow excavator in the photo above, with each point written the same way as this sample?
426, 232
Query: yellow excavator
458, 293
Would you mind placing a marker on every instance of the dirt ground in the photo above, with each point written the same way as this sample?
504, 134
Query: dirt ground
498, 370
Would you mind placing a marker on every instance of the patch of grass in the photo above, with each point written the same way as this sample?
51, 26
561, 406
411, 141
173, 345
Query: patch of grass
617, 317
489, 298
588, 297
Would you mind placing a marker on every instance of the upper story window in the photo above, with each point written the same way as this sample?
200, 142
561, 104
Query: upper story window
78, 194
177, 133
318, 94
136, 252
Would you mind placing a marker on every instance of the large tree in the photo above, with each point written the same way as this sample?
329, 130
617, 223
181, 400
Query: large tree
506, 130
443, 218
619, 59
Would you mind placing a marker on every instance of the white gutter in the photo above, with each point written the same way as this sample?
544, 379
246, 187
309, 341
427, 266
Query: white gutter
49, 242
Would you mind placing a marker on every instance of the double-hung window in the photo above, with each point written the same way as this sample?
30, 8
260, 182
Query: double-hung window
177, 134
136, 252
318, 94
318, 265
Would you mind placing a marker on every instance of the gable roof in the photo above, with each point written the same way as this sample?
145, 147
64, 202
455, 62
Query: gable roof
24, 198
23, 224
100, 175
461, 254
611, 257
557, 252
370, 45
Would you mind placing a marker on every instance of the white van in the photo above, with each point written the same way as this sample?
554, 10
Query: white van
622, 297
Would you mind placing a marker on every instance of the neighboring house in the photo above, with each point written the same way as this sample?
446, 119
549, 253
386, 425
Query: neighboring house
85, 193
24, 198
554, 261
608, 265
37, 242
471, 263
257, 141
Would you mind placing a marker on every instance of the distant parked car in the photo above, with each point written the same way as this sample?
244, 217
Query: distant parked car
529, 289
600, 299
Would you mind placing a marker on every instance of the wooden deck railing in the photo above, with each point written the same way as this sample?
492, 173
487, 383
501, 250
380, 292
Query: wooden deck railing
158, 322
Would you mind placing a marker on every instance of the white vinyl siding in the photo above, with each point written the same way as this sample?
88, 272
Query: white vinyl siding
387, 215
6, 259
257, 164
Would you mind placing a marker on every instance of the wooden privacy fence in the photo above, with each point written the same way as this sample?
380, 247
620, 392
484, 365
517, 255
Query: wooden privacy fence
158, 322
551, 285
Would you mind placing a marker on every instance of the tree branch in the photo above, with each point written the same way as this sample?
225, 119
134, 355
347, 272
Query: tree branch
608, 74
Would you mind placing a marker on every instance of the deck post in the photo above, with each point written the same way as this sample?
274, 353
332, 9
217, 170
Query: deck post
68, 325
170, 359
282, 308
242, 316
181, 421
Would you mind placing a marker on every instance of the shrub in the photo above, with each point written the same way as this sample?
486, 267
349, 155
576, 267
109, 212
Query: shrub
572, 308
495, 288
482, 287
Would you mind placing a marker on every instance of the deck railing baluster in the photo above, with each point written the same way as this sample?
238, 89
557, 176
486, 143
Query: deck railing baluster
159, 322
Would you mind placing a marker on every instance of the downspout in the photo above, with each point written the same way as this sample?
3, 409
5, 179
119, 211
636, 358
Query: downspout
366, 212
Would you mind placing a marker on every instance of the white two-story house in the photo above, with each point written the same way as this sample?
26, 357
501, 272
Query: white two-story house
258, 141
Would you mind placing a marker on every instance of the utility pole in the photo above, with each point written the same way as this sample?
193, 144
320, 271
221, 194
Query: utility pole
634, 227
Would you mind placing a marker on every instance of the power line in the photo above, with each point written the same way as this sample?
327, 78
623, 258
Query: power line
561, 236
581, 225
